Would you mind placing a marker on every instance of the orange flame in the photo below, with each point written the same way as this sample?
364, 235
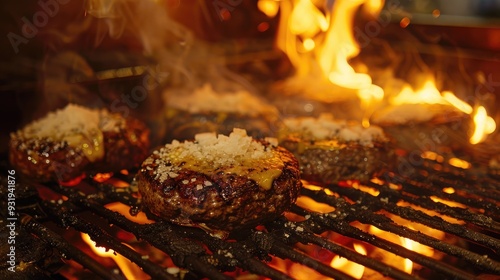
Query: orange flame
269, 7
129, 269
320, 44
429, 94
319, 41
348, 267
408, 244
484, 125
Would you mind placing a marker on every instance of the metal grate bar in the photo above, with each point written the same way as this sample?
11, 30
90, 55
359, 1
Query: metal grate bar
185, 254
420, 217
384, 223
304, 236
284, 251
455, 212
243, 252
205, 256
103, 239
340, 219
71, 252
424, 187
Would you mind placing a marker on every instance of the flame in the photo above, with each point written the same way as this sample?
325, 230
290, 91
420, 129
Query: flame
484, 125
309, 203
129, 269
353, 269
321, 39
320, 44
457, 102
408, 244
125, 210
429, 94
404, 264
269, 7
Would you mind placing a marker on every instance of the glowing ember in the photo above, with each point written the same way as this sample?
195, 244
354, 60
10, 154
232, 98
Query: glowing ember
404, 22
348, 267
109, 179
102, 177
365, 189
460, 163
128, 212
129, 269
432, 156
451, 204
449, 190
73, 182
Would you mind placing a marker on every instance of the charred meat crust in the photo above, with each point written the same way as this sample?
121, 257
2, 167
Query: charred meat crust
340, 162
219, 200
126, 148
44, 160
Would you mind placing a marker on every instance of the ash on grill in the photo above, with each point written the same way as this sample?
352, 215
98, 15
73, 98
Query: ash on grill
468, 251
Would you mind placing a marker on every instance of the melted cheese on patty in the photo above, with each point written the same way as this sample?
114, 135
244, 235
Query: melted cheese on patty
236, 154
80, 127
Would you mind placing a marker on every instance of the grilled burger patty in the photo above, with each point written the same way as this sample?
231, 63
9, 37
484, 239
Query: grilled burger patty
330, 150
219, 182
206, 110
68, 142
183, 125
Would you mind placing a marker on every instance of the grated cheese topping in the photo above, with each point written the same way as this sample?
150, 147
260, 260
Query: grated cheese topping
79, 126
221, 150
206, 99
237, 153
326, 127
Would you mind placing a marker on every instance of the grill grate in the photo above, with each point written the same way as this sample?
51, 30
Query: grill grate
205, 256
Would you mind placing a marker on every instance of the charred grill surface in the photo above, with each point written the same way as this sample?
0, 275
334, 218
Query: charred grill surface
469, 249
